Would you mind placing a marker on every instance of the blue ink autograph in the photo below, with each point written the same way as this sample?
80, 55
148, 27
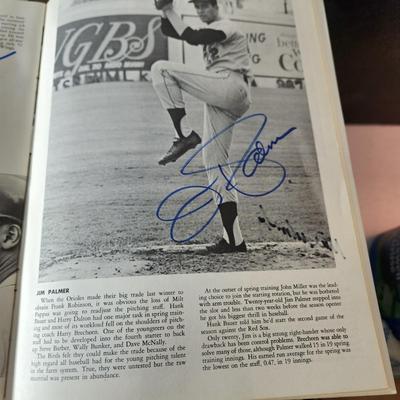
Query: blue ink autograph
255, 155
8, 55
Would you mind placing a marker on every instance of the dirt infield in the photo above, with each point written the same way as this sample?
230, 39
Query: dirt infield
104, 185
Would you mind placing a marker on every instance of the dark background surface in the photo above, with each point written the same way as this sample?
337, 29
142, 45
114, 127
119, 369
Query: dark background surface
365, 38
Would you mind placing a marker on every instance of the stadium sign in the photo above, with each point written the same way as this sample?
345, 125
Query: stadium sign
274, 52
108, 48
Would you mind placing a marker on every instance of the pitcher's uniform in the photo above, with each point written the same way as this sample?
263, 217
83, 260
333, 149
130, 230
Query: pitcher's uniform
222, 86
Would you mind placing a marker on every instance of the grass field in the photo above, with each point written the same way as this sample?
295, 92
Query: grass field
104, 185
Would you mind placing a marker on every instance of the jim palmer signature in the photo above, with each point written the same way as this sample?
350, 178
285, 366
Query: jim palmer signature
256, 154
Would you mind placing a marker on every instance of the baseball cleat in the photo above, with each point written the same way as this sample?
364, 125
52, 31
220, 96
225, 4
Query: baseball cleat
224, 247
179, 147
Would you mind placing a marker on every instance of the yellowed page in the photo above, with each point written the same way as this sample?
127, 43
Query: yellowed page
118, 307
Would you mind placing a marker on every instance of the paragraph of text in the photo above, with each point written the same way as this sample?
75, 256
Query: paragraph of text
12, 31
253, 326
101, 336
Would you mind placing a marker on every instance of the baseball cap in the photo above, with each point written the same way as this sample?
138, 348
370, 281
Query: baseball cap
12, 194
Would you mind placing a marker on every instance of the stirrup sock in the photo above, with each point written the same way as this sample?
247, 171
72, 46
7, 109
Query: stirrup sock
232, 233
179, 119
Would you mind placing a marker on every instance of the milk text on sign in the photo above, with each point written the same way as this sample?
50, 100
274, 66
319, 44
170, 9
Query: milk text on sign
112, 48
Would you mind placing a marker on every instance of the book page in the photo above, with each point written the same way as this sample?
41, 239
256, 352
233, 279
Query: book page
20, 39
198, 235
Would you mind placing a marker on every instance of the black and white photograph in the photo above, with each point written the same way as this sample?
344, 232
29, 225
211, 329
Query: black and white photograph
180, 142
12, 193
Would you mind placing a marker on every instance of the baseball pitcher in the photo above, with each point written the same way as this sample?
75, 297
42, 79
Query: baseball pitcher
222, 86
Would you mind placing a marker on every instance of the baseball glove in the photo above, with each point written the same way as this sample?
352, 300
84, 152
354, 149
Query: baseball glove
161, 4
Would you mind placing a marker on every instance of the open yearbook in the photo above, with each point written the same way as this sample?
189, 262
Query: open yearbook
191, 228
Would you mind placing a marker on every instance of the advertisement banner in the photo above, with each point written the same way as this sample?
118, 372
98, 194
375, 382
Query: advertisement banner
275, 55
108, 49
